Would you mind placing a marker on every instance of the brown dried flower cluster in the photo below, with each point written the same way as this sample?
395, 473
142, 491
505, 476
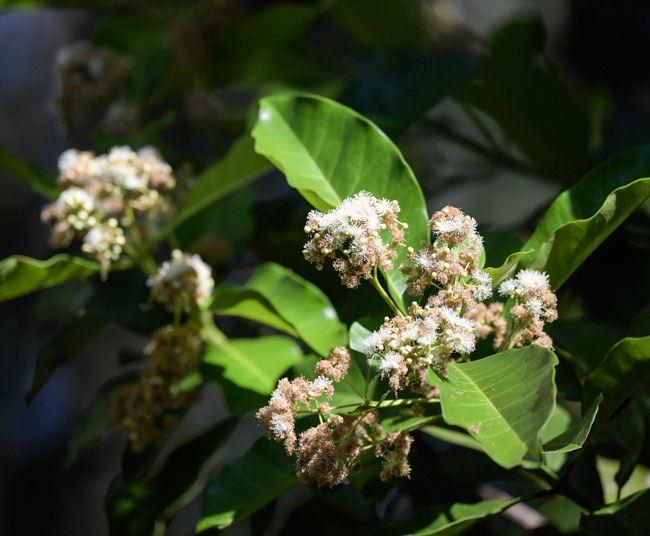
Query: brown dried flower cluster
329, 450
451, 263
109, 200
150, 409
535, 304
90, 79
395, 450
351, 236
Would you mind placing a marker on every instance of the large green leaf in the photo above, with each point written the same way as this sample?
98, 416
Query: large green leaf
629, 517
329, 152
39, 181
136, 508
254, 364
503, 400
247, 484
238, 167
574, 437
534, 108
619, 374
21, 275
445, 520
583, 216
282, 299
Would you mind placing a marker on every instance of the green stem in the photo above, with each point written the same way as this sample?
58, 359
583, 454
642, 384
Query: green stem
374, 281
355, 390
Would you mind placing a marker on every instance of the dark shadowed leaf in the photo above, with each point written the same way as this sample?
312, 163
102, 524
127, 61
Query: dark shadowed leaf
629, 517
134, 508
619, 374
247, 484
39, 181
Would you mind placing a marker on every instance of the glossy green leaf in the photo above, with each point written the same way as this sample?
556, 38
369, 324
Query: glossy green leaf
282, 299
39, 181
503, 400
445, 520
329, 152
619, 374
247, 484
629, 517
507, 269
238, 167
135, 508
21, 275
254, 364
582, 217
576, 435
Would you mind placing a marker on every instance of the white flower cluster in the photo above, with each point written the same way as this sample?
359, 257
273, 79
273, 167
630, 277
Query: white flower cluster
184, 281
405, 347
107, 199
451, 263
350, 235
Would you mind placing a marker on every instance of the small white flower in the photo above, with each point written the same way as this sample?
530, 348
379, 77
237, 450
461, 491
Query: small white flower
532, 280
74, 199
279, 426
535, 306
391, 361
68, 160
320, 384
483, 285
508, 288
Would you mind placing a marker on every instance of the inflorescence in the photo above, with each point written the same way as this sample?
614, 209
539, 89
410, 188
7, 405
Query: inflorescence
407, 346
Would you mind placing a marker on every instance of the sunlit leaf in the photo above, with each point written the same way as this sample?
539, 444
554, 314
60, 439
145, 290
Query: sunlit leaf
576, 435
503, 400
329, 152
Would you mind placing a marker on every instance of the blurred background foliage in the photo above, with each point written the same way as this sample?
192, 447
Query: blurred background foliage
497, 105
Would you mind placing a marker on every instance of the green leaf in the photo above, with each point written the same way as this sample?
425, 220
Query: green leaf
238, 167
39, 181
624, 368
453, 436
445, 520
503, 400
254, 364
247, 484
97, 419
576, 435
134, 508
329, 152
629, 517
507, 269
530, 104
21, 275
582, 217
282, 299
61, 348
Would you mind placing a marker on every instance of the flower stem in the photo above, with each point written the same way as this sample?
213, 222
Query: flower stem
374, 281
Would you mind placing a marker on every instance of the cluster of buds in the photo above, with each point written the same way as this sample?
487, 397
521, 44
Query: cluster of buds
90, 78
488, 319
451, 263
395, 450
405, 347
183, 282
351, 236
108, 199
535, 304
151, 408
